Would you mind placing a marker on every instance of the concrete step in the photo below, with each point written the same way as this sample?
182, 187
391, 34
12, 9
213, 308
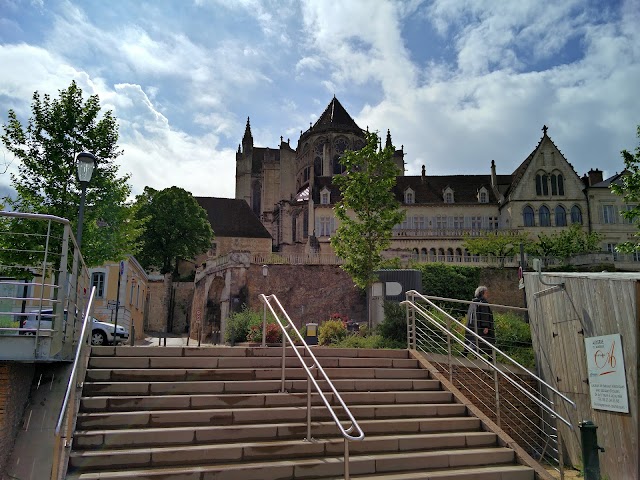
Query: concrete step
308, 468
246, 362
120, 403
254, 451
497, 472
239, 374
250, 386
193, 435
244, 416
221, 351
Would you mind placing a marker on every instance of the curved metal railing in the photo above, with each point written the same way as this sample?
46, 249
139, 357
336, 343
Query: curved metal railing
69, 407
350, 434
535, 428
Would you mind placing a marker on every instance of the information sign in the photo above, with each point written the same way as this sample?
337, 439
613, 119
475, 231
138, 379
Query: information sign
607, 376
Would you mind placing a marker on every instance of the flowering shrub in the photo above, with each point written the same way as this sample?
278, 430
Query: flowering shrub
338, 316
332, 331
274, 335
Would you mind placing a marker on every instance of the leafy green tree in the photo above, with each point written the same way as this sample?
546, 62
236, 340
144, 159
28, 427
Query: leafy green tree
567, 243
497, 244
176, 228
368, 210
46, 182
630, 191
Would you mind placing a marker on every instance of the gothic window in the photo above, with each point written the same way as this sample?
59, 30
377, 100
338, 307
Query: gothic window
338, 168
542, 186
359, 144
97, 280
554, 185
341, 145
317, 167
576, 214
255, 200
560, 184
544, 216
528, 216
561, 216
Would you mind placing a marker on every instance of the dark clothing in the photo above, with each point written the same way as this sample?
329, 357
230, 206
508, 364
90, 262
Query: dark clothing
480, 317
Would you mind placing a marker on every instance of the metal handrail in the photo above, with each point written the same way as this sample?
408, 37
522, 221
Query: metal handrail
421, 335
57, 470
346, 433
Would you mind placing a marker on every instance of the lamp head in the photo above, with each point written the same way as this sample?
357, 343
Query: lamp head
86, 163
265, 270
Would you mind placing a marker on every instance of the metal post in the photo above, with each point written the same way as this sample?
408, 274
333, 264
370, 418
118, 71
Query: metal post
308, 409
83, 195
496, 384
560, 453
284, 349
524, 294
590, 449
449, 349
264, 325
346, 459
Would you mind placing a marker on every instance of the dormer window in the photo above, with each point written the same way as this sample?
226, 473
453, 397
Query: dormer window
409, 196
448, 195
483, 195
325, 196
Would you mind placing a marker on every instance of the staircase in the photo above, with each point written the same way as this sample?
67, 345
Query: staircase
217, 414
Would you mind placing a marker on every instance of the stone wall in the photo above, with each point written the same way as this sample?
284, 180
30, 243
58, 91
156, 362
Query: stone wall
309, 293
157, 305
183, 297
15, 382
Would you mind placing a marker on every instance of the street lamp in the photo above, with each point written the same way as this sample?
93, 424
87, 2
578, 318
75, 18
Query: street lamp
86, 164
265, 271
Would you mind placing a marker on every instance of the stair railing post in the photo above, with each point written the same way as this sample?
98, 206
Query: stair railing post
284, 351
560, 452
346, 459
496, 383
449, 348
264, 325
309, 408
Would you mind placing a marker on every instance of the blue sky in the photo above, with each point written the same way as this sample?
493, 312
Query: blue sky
458, 82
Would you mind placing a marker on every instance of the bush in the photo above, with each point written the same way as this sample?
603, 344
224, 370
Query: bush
372, 341
239, 325
274, 334
449, 281
394, 325
331, 331
513, 337
8, 323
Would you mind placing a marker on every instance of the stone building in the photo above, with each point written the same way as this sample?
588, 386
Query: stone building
292, 192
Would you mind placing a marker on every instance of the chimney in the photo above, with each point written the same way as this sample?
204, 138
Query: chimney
423, 174
595, 176
494, 178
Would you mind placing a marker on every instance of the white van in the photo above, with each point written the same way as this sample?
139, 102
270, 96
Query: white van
102, 333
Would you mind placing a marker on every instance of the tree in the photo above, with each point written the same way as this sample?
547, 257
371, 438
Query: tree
176, 228
47, 183
567, 243
629, 188
368, 210
497, 244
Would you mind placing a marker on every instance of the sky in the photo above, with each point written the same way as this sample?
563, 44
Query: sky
457, 82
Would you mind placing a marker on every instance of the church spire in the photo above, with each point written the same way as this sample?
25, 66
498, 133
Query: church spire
388, 144
247, 140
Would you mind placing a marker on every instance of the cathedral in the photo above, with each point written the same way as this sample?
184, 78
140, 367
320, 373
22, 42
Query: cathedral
291, 191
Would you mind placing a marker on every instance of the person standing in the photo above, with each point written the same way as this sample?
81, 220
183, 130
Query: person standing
480, 320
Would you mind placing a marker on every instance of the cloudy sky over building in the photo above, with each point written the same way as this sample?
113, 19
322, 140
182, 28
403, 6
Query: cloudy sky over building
458, 82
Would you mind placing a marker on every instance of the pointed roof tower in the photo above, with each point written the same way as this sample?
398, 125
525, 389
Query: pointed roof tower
334, 118
247, 140
388, 143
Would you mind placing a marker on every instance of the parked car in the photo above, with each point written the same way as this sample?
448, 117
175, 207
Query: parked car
102, 333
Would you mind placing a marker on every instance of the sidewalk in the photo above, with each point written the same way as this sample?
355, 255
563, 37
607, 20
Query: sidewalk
155, 339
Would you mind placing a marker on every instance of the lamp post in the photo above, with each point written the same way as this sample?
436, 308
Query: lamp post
86, 163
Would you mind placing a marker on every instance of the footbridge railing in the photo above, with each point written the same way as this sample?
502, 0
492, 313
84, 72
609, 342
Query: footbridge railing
352, 432
508, 392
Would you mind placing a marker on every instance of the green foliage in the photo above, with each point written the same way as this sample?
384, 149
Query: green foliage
497, 244
239, 325
8, 323
274, 334
449, 281
630, 191
331, 331
47, 183
368, 210
176, 228
566, 243
391, 264
394, 325
513, 337
371, 341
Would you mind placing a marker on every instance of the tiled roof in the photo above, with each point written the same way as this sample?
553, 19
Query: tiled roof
334, 118
231, 217
428, 190
614, 179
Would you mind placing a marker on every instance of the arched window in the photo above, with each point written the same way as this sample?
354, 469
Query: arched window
538, 184
544, 216
441, 253
408, 197
542, 185
561, 216
528, 216
432, 253
337, 166
448, 197
560, 184
554, 185
576, 215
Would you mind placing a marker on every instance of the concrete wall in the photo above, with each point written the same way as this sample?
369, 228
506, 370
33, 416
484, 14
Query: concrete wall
15, 382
